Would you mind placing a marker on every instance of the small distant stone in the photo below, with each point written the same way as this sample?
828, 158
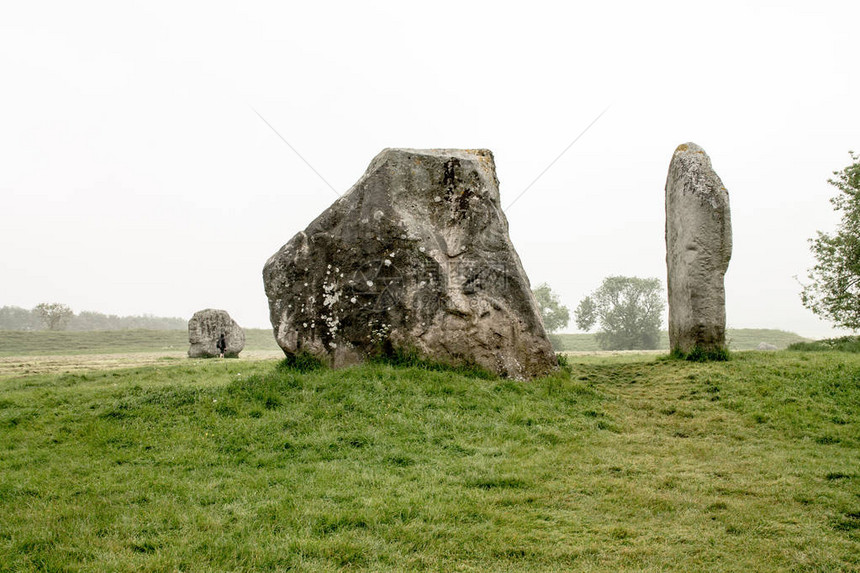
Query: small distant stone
205, 329
766, 346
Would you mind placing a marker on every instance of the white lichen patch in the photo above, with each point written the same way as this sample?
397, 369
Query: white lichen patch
379, 332
331, 296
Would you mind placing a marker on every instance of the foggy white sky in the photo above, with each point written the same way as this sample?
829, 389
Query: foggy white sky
136, 178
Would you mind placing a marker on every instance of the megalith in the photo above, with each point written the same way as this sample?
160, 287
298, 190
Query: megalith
414, 258
205, 329
698, 250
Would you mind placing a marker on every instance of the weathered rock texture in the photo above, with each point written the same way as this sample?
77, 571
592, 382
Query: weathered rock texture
206, 327
698, 250
415, 257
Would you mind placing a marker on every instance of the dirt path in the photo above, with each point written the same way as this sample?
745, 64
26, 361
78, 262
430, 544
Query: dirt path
13, 366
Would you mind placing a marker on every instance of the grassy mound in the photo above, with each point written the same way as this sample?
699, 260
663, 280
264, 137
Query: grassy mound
44, 342
737, 339
842, 344
649, 464
19, 343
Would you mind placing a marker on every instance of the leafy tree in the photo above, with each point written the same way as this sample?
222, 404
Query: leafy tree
629, 310
54, 315
554, 314
585, 314
834, 293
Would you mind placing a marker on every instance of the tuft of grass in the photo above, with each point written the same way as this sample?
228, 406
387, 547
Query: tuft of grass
300, 362
411, 358
563, 362
702, 355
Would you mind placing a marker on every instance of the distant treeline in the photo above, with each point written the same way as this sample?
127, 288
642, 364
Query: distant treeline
17, 318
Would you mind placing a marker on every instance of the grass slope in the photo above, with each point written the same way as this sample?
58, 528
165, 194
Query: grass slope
841, 344
738, 339
41, 343
20, 343
636, 464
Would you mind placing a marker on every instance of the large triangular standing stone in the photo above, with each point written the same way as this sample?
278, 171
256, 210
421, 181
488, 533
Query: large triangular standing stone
415, 257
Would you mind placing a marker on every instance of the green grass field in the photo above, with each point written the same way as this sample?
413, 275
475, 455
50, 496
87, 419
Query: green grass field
737, 338
638, 463
41, 343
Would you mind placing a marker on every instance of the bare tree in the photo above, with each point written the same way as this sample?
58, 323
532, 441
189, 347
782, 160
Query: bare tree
54, 315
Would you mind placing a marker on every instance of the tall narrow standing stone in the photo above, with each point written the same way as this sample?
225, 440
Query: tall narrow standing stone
698, 250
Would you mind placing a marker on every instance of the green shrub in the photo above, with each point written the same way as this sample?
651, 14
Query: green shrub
563, 362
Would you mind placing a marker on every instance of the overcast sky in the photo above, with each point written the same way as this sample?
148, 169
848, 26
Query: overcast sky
136, 177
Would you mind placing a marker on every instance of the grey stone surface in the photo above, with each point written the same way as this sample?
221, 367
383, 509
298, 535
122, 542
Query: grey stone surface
698, 250
416, 257
766, 346
204, 330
